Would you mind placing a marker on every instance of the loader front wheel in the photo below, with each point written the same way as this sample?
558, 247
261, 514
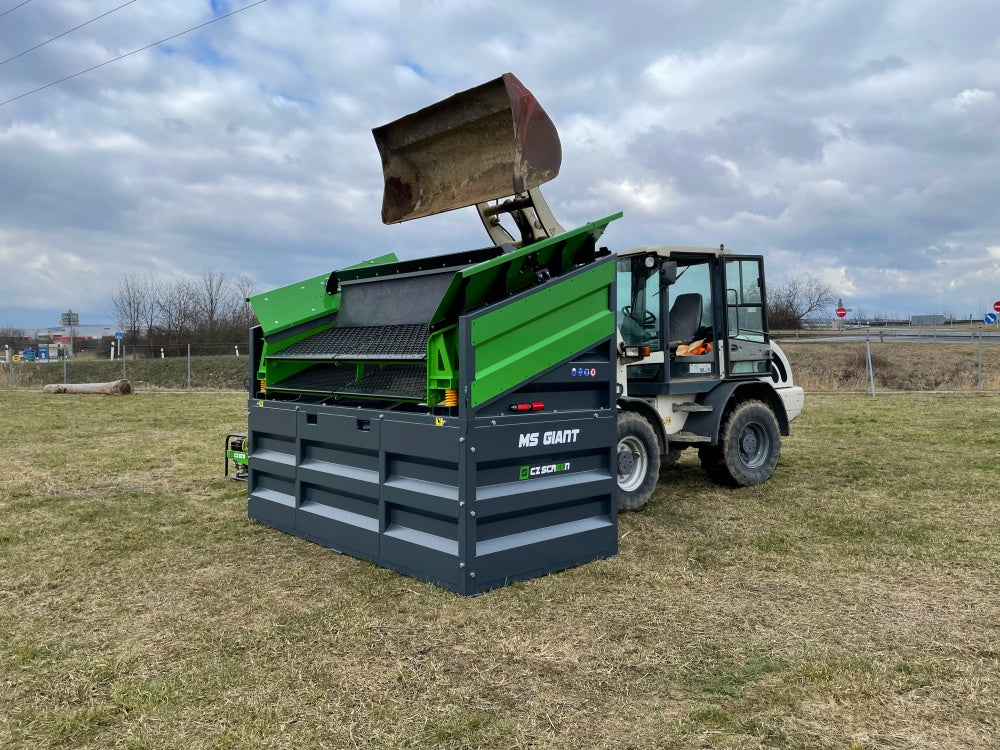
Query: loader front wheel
748, 448
638, 461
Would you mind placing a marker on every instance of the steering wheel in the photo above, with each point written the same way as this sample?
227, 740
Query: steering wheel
648, 319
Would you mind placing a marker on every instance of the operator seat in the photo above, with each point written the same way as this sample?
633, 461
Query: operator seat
685, 319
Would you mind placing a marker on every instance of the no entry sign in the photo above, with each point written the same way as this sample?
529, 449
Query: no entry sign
996, 305
842, 312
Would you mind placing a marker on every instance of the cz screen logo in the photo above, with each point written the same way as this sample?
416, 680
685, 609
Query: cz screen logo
527, 472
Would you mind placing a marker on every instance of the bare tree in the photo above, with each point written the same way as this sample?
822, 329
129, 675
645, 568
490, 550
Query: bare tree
244, 288
791, 303
177, 309
212, 289
13, 337
133, 304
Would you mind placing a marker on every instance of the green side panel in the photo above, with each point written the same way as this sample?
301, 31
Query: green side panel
292, 305
442, 364
295, 304
493, 280
520, 340
377, 261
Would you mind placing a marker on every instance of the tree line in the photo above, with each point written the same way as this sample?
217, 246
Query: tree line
204, 309
211, 308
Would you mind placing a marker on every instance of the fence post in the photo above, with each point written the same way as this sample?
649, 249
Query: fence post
979, 367
189, 367
871, 373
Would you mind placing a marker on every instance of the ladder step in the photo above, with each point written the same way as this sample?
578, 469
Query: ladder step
691, 406
688, 437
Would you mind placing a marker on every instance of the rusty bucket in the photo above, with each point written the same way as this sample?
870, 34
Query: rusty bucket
487, 143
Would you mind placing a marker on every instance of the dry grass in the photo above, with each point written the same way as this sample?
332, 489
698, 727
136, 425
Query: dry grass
897, 366
851, 602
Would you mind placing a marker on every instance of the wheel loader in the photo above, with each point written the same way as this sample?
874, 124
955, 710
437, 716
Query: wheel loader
479, 417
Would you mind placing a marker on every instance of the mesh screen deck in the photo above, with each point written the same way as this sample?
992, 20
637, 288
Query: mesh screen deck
402, 381
362, 343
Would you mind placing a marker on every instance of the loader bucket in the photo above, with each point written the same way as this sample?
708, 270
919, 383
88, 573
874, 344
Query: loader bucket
489, 142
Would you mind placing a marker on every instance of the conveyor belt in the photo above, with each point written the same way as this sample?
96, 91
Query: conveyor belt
363, 343
402, 381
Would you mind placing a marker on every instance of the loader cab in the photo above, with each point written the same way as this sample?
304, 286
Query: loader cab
701, 313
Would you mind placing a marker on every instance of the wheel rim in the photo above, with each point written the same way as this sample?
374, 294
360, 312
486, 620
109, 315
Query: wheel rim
632, 463
753, 445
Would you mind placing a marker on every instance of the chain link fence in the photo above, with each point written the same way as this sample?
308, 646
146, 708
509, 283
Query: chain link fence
853, 359
174, 367
894, 359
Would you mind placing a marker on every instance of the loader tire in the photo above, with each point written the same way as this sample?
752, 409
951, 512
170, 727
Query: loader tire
748, 448
638, 461
668, 460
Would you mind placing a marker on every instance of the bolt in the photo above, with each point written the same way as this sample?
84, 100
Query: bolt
473, 449
472, 575
472, 513
461, 565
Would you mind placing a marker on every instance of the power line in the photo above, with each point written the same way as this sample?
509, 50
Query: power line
60, 36
14, 8
133, 52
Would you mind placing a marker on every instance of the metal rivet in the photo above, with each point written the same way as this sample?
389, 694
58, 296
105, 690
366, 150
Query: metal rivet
472, 449
472, 575
472, 513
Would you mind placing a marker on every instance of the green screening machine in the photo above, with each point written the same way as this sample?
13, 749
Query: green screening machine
450, 417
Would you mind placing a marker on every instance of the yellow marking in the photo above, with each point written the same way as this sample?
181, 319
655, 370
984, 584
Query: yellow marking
260, 403
439, 421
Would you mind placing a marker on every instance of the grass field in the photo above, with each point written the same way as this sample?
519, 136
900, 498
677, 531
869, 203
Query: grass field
851, 602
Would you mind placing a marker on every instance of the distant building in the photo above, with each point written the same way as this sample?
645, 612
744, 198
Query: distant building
62, 334
927, 320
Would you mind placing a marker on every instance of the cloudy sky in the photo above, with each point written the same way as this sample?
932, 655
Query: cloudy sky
853, 140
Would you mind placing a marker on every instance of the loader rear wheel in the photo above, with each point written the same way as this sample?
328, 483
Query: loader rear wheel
669, 459
638, 461
748, 449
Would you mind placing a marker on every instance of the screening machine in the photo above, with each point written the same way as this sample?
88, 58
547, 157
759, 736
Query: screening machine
452, 417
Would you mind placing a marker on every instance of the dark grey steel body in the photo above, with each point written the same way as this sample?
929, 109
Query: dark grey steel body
469, 500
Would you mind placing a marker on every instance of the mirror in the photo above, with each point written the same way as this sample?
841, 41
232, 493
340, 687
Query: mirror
668, 272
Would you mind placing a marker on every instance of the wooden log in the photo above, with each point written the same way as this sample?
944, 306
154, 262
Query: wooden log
114, 388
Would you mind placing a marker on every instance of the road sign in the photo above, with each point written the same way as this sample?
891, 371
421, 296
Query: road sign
990, 318
119, 335
996, 305
841, 312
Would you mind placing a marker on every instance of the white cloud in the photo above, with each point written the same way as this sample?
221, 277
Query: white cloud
851, 138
